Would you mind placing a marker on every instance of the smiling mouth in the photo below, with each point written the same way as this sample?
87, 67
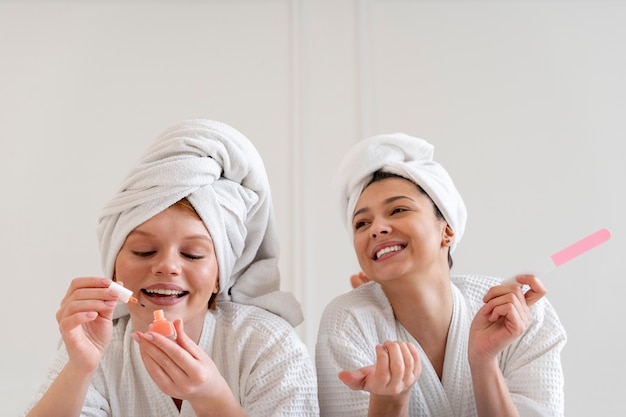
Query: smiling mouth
388, 249
165, 293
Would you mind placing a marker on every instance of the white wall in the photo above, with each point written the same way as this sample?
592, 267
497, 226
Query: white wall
524, 101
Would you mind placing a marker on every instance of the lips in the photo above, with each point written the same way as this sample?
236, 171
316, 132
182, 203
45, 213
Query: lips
164, 294
386, 250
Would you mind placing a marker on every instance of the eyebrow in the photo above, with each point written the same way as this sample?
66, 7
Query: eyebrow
196, 236
385, 202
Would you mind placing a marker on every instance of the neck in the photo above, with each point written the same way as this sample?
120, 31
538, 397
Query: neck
424, 308
423, 303
193, 329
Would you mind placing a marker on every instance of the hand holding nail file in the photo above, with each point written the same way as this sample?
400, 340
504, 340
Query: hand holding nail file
567, 254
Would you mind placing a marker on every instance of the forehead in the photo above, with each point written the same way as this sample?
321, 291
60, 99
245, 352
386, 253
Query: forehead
387, 190
390, 186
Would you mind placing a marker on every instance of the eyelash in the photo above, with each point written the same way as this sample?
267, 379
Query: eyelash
193, 257
142, 254
186, 255
395, 210
358, 225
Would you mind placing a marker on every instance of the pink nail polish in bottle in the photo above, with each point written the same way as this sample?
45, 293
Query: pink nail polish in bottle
162, 325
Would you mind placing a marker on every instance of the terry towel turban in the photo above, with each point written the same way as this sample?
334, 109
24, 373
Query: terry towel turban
409, 157
223, 176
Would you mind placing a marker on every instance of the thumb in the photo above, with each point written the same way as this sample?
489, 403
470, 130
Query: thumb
355, 379
185, 341
181, 336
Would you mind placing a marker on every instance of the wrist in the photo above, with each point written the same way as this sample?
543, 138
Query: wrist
219, 403
388, 405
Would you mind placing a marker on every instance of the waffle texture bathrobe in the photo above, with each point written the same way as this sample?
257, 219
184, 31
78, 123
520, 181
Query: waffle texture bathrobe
355, 322
265, 364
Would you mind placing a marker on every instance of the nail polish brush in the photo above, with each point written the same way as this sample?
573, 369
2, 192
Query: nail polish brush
572, 251
125, 294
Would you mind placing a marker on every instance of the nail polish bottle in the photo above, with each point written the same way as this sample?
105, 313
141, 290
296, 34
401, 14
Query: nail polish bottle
162, 325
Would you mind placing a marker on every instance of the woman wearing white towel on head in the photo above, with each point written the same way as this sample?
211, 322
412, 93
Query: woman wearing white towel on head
190, 232
412, 339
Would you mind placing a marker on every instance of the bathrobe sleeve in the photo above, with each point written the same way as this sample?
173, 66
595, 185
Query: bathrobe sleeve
350, 328
531, 365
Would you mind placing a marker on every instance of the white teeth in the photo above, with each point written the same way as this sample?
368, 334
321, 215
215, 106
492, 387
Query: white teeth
165, 292
388, 249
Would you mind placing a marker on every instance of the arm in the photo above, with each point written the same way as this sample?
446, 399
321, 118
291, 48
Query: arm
56, 402
85, 323
517, 385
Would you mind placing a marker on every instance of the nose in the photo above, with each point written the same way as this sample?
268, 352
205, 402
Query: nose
167, 263
379, 227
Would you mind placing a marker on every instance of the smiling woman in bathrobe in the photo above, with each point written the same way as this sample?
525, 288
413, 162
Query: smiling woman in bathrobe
412, 340
190, 232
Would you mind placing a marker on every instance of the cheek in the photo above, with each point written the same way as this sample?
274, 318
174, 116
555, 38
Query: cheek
124, 261
361, 248
126, 270
359, 241
122, 264
207, 276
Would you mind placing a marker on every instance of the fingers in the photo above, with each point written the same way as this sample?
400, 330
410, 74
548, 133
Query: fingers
358, 279
185, 341
175, 363
516, 317
404, 365
158, 357
532, 292
85, 283
396, 370
84, 297
67, 323
510, 305
536, 288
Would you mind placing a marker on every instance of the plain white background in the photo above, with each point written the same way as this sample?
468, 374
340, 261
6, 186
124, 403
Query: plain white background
523, 100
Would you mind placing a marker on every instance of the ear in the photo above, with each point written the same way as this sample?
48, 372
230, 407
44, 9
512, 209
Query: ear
447, 238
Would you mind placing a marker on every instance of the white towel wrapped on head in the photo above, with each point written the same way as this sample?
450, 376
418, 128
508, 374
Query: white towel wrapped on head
409, 157
223, 176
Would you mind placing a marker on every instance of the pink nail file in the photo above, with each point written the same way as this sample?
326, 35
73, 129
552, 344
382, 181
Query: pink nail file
565, 255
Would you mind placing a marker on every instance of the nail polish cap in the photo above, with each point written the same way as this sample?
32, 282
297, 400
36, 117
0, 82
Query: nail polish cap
158, 315
124, 293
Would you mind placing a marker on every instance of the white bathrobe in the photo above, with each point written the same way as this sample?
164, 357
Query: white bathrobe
260, 355
355, 322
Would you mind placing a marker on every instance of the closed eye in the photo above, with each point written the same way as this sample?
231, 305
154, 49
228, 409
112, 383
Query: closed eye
192, 257
143, 254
